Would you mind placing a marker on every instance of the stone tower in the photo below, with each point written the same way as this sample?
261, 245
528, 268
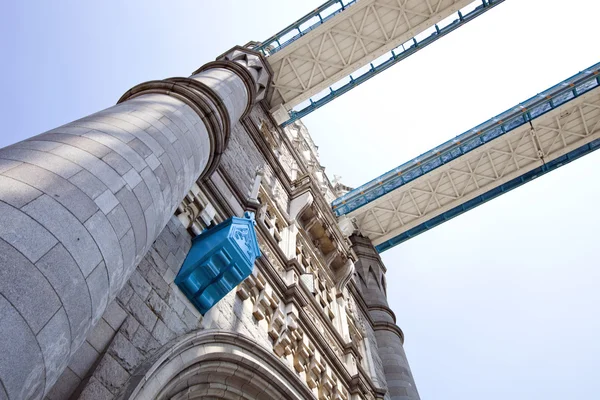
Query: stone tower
98, 216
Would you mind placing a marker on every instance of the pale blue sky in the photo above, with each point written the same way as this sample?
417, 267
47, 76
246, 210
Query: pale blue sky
499, 303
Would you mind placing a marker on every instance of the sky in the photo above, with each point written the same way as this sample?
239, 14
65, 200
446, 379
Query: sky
501, 302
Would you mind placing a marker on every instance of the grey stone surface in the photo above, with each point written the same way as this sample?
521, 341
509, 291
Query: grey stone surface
36, 145
21, 363
110, 374
106, 201
114, 315
129, 251
75, 140
60, 189
83, 360
26, 288
141, 312
162, 333
120, 147
97, 283
48, 161
68, 282
24, 233
117, 162
132, 178
94, 390
64, 386
106, 239
119, 220
125, 294
94, 165
139, 285
66, 228
130, 327
88, 184
55, 341
100, 337
16, 193
125, 353
144, 342
5, 165
143, 194
139, 146
136, 216
157, 282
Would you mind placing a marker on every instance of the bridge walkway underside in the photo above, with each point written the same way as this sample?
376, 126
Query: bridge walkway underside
531, 139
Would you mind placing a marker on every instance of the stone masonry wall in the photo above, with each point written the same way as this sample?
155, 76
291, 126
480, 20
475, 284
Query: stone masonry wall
147, 313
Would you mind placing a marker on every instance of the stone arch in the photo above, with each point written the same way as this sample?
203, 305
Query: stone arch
212, 364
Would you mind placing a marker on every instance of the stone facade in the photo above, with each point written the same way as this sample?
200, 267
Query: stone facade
308, 323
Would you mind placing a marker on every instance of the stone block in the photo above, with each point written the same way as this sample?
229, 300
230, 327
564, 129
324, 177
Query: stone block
158, 306
60, 189
114, 315
24, 286
5, 165
157, 282
162, 333
36, 145
125, 294
136, 216
110, 247
94, 165
139, 285
65, 386
132, 178
143, 194
106, 201
94, 390
130, 327
117, 162
24, 233
21, 363
48, 161
97, 283
125, 353
152, 161
83, 360
69, 284
191, 320
129, 251
141, 312
55, 341
119, 220
141, 148
159, 262
144, 342
75, 140
66, 228
161, 176
99, 338
16, 193
120, 148
88, 184
110, 374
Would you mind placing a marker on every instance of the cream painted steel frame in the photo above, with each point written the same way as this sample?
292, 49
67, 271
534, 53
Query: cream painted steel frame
352, 39
568, 127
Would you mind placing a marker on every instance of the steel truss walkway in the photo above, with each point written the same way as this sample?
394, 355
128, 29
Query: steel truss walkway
343, 43
513, 148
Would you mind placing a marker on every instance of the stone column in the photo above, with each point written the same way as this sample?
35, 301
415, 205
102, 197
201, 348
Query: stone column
389, 337
81, 204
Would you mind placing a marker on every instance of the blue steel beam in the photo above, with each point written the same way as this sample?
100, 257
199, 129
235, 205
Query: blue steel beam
396, 55
503, 123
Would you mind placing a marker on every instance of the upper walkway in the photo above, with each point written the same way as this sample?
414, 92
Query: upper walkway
532, 138
345, 42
